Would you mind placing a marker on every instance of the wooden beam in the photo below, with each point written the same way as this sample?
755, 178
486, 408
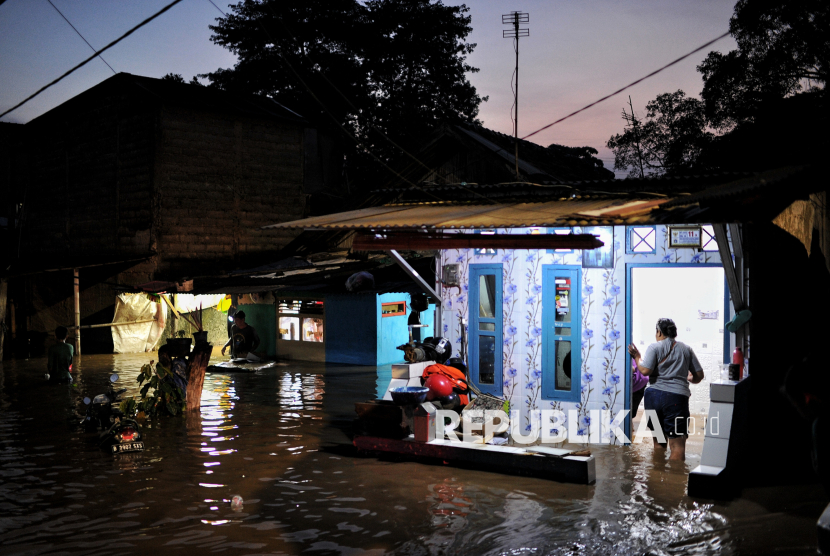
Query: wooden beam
415, 241
728, 266
175, 312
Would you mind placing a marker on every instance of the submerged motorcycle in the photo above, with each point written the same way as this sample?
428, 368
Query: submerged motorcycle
116, 431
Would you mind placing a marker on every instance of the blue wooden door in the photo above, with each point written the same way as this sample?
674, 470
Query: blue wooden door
485, 327
561, 332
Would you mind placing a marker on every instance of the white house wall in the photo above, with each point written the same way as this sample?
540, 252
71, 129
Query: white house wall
603, 320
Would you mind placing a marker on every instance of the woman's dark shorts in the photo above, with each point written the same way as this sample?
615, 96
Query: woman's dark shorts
672, 411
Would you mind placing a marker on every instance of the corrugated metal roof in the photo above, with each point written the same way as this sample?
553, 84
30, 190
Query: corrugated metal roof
514, 215
743, 199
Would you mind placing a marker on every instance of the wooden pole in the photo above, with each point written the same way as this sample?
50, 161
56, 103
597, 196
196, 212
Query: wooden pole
4, 289
108, 324
196, 367
77, 312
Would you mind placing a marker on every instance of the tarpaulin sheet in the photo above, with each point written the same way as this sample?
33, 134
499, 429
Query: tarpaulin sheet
187, 302
137, 338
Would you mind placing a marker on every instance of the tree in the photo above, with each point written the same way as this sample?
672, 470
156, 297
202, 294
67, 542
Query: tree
178, 78
391, 67
670, 140
767, 100
783, 48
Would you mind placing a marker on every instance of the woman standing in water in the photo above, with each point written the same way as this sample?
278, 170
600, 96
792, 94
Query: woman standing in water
674, 365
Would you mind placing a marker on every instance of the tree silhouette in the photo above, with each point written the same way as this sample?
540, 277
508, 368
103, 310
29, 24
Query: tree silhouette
669, 140
765, 101
382, 67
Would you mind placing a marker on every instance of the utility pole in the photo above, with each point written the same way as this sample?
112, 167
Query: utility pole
514, 18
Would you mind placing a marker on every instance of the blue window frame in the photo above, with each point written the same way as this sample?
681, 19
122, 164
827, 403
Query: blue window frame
560, 232
561, 332
485, 251
641, 240
485, 328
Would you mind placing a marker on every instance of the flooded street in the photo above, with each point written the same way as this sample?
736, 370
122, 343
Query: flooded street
280, 440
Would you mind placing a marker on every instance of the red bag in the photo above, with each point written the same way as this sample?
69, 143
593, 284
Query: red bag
458, 379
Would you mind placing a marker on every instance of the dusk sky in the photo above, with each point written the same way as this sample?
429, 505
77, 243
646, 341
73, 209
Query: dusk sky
577, 52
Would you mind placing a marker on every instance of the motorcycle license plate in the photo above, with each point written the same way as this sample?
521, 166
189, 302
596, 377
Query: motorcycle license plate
127, 447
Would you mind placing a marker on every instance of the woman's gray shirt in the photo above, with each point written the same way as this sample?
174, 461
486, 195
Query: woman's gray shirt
673, 373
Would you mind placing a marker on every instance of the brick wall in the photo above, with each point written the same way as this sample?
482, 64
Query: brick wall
219, 178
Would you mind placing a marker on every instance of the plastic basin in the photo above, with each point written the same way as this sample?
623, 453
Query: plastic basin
409, 395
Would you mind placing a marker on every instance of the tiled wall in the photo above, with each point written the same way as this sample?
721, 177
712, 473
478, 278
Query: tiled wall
603, 320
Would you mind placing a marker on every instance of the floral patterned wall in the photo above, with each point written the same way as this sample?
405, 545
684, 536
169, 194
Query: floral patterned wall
603, 321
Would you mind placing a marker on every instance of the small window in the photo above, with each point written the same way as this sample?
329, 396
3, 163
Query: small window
707, 238
487, 252
300, 320
312, 330
560, 232
290, 328
393, 309
641, 240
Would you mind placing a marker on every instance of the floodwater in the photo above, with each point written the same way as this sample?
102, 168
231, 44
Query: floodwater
280, 440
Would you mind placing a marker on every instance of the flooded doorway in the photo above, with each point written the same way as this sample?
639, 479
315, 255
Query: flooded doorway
693, 297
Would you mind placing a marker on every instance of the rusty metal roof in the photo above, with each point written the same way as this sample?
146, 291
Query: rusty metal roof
563, 212
742, 199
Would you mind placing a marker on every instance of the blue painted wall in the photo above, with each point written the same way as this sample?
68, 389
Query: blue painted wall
352, 329
394, 331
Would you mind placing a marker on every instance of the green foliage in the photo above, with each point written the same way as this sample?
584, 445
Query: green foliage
158, 394
783, 48
766, 101
399, 64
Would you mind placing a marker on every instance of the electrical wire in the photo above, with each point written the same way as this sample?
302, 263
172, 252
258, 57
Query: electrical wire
80, 35
618, 91
97, 53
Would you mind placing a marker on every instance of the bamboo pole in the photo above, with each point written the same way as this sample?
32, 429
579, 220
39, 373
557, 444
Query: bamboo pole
172, 308
77, 326
86, 326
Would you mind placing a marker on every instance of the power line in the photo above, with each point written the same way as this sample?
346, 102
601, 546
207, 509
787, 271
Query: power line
79, 34
97, 53
618, 91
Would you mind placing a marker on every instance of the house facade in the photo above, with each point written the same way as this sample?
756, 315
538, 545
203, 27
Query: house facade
139, 180
548, 329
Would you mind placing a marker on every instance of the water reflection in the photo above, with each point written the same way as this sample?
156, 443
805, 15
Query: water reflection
277, 440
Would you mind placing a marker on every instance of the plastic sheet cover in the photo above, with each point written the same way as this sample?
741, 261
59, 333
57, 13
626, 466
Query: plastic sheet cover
188, 303
137, 338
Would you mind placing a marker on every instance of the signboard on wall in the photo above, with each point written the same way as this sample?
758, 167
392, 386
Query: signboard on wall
684, 236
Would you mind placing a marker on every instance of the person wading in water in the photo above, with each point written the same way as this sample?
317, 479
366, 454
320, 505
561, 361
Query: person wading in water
670, 366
